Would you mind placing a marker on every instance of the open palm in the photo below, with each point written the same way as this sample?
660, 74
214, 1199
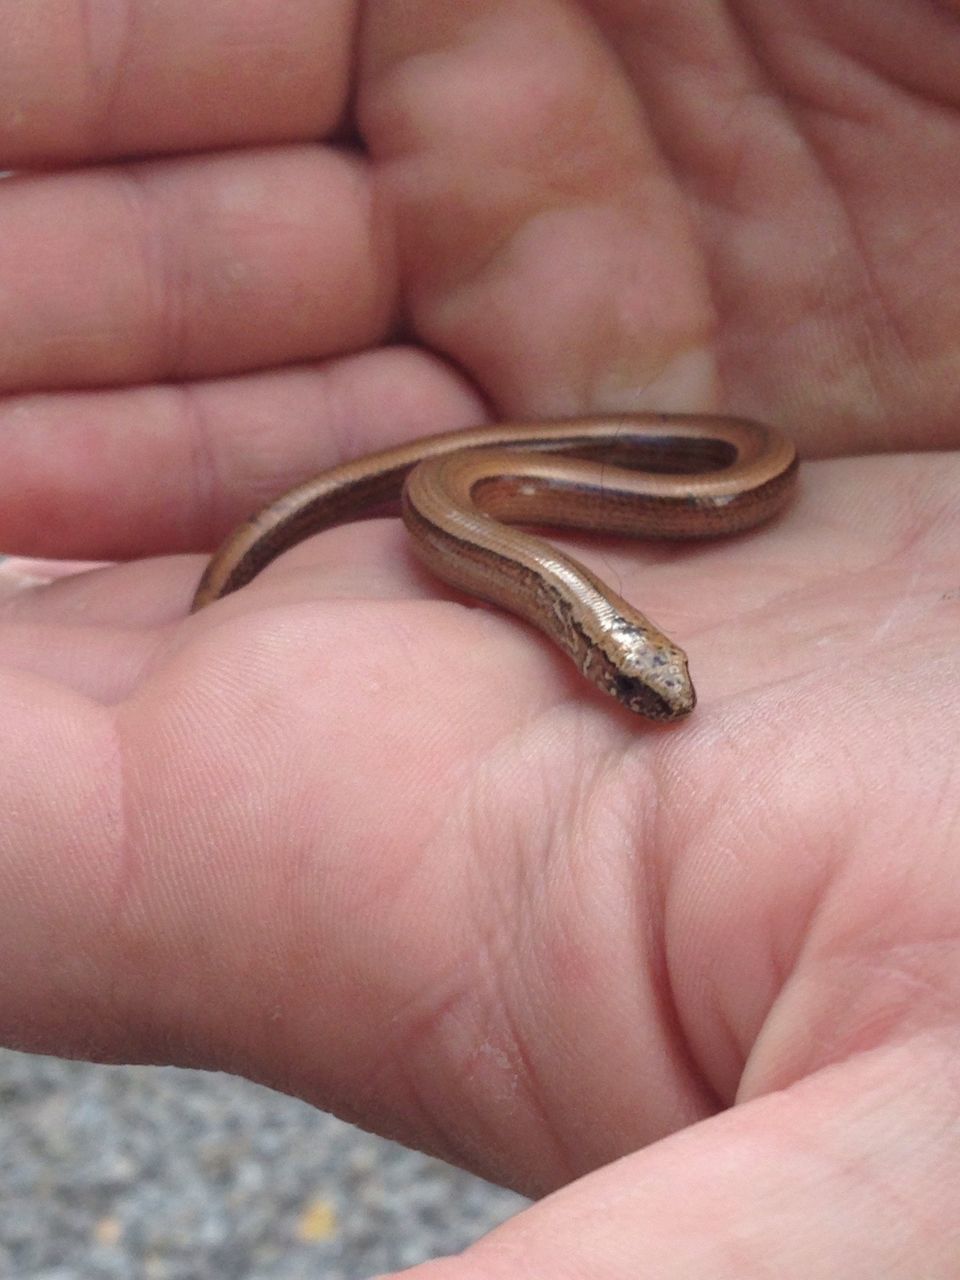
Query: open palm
344, 834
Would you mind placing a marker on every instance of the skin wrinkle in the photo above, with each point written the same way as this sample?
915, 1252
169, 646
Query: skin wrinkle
209, 476
437, 1134
105, 88
385, 249
824, 1048
270, 473
432, 1026
659, 877
169, 331
647, 922
114, 113
795, 110
897, 970
529, 885
120, 875
657, 122
346, 132
426, 1026
925, 520
898, 610
910, 539
870, 1175
851, 1168
875, 350
532, 1082
943, 94
792, 112
338, 435
163, 266
660, 133
652, 894
526, 1080
859, 110
104, 657
787, 954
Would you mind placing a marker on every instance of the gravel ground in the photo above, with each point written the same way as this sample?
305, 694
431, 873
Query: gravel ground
159, 1174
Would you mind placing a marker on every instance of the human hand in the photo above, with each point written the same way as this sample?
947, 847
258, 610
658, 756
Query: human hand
345, 836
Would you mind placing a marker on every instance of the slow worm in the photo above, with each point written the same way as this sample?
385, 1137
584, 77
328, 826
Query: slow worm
652, 475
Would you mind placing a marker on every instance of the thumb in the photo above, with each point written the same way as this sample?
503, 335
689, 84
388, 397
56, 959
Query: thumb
852, 1173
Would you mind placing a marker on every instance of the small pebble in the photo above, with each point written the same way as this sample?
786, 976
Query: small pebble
112, 1172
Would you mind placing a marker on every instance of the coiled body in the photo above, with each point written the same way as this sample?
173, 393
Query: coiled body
647, 475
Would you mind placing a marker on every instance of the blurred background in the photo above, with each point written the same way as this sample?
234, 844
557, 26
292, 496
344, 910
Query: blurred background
152, 1173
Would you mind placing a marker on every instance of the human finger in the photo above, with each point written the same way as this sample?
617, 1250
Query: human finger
91, 81
133, 472
189, 267
850, 1173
